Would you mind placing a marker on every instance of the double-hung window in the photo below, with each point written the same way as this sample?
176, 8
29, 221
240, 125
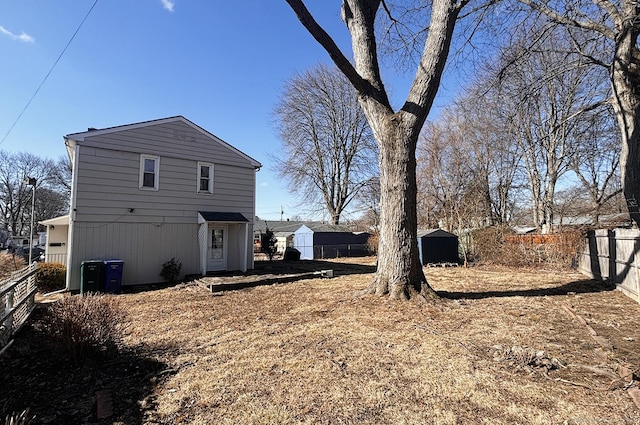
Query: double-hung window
149, 172
205, 177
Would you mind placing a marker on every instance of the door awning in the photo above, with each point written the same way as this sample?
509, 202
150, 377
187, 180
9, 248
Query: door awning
227, 217
56, 221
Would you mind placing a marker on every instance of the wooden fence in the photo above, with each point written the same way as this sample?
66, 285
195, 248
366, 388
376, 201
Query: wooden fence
614, 256
17, 296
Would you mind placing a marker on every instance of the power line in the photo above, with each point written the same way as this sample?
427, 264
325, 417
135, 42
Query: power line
48, 73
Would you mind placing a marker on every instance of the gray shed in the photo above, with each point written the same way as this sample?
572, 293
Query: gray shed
437, 246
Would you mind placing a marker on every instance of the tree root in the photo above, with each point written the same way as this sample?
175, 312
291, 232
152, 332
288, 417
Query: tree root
426, 295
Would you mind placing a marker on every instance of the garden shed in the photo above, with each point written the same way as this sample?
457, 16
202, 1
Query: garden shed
329, 241
437, 246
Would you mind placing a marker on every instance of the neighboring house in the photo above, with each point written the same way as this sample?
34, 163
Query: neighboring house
437, 246
329, 241
148, 192
57, 239
283, 241
282, 230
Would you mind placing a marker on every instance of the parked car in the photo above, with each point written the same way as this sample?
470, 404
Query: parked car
37, 253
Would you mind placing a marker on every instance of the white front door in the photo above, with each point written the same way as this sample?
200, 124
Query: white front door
217, 248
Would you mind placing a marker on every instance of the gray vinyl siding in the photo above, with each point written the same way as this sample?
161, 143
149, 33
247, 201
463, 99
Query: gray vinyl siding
143, 247
174, 139
108, 187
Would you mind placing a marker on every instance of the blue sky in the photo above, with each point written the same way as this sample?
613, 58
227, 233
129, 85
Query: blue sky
220, 64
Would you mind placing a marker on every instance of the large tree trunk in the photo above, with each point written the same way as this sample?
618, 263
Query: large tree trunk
399, 271
626, 91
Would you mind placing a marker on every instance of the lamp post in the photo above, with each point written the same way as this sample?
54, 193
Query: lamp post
31, 181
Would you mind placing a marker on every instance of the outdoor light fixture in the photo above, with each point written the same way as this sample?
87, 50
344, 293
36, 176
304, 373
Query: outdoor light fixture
31, 181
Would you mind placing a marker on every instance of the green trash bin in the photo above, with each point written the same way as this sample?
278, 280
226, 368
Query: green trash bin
91, 276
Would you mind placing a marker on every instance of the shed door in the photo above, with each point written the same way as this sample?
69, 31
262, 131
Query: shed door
303, 242
217, 248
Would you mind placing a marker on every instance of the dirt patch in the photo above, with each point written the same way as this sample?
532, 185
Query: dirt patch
504, 348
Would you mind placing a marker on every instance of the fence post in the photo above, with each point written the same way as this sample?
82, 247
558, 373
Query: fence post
8, 322
613, 256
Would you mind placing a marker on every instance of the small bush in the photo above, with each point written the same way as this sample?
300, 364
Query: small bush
489, 247
171, 270
268, 243
9, 264
84, 326
50, 276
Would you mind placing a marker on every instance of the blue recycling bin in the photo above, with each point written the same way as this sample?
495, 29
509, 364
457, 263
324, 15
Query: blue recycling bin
113, 276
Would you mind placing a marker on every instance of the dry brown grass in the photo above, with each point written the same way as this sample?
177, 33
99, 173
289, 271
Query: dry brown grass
308, 352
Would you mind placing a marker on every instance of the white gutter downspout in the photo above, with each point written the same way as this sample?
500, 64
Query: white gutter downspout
72, 212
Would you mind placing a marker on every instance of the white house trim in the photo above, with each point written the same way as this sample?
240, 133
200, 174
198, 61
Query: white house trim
143, 171
73, 150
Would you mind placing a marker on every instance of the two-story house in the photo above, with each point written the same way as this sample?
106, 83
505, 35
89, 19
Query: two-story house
148, 192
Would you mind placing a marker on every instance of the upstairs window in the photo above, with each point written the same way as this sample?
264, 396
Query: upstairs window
205, 177
149, 175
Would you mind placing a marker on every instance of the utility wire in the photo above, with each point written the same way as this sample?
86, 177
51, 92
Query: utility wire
48, 73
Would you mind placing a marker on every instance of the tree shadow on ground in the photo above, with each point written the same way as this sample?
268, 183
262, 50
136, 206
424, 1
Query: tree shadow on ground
582, 286
37, 376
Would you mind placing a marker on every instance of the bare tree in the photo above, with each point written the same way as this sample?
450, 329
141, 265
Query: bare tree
550, 93
399, 271
368, 201
329, 151
16, 194
614, 25
61, 175
596, 162
484, 122
454, 186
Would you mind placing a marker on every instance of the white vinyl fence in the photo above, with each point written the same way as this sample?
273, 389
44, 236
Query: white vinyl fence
17, 300
614, 256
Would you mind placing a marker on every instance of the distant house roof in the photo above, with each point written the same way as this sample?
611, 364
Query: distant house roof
277, 226
328, 228
292, 226
523, 230
588, 219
